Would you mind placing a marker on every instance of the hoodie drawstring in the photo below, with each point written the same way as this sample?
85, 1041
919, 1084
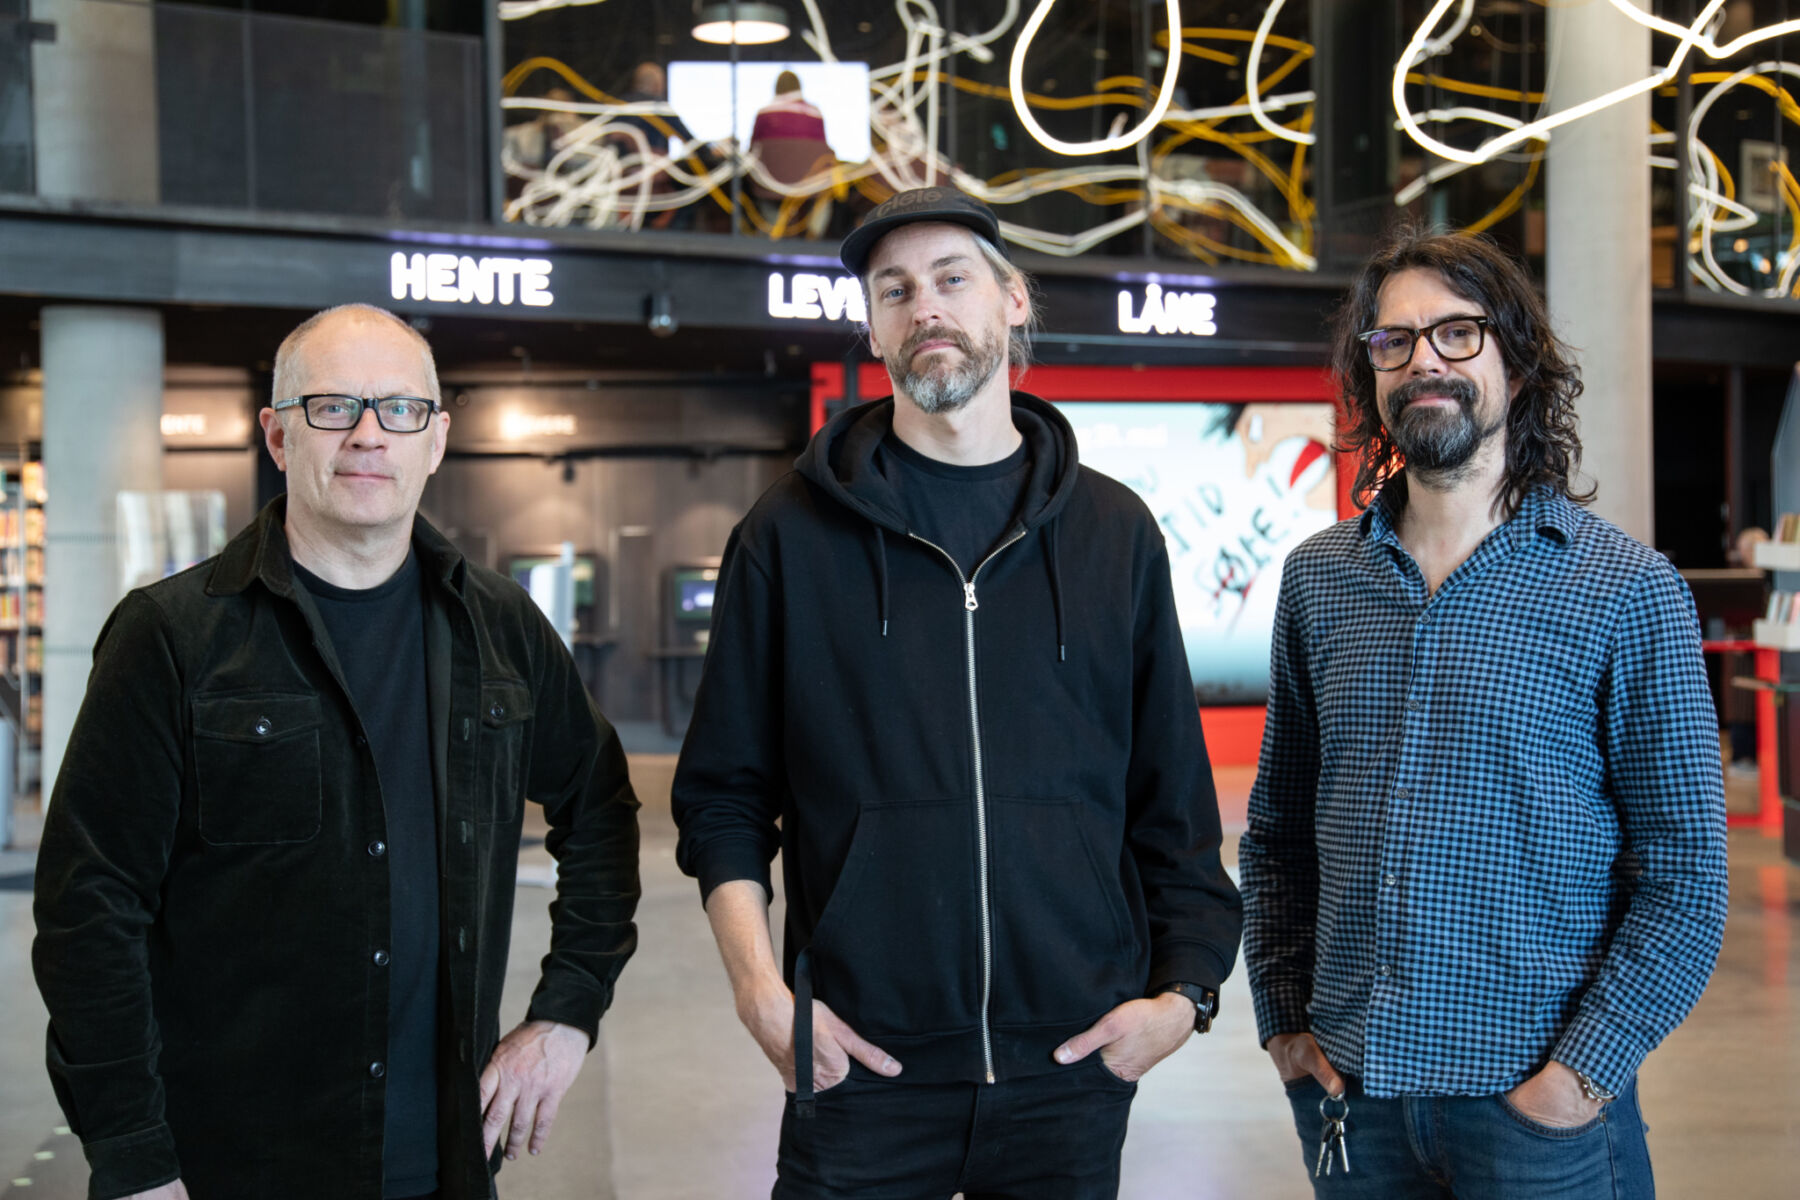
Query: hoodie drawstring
1055, 564
881, 575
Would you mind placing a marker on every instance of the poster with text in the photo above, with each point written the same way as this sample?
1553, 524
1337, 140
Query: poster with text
1234, 488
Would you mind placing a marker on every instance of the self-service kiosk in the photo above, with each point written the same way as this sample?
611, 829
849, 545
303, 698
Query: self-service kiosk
687, 604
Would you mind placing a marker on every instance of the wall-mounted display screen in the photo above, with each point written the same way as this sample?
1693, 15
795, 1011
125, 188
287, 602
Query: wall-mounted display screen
708, 96
693, 593
1235, 487
520, 567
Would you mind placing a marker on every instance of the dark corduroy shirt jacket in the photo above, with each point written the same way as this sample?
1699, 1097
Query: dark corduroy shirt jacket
213, 879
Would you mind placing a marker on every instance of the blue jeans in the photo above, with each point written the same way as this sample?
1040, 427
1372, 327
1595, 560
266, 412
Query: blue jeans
1474, 1148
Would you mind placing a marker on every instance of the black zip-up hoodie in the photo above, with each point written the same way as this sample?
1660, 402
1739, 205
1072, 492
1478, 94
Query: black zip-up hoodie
992, 797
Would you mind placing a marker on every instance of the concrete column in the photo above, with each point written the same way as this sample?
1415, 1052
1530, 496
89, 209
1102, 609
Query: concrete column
1598, 248
94, 101
103, 385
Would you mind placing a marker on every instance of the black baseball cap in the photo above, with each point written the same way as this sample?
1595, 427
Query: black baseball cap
921, 204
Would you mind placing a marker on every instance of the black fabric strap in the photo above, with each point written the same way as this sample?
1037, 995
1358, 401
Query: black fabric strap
803, 1036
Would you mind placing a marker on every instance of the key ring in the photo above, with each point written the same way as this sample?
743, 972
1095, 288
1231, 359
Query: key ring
1338, 1099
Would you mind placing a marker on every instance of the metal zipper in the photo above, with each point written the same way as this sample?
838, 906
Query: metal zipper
970, 604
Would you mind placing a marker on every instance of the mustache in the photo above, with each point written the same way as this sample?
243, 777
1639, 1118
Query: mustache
1454, 386
936, 334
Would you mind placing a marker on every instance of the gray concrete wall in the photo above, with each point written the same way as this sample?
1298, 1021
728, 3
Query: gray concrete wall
640, 515
103, 403
94, 101
1598, 229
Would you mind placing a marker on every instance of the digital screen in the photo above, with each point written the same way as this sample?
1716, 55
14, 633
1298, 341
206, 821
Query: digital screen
693, 593
703, 94
1234, 488
520, 569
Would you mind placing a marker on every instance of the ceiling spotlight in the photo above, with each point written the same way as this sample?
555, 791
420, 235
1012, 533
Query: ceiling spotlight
659, 315
745, 24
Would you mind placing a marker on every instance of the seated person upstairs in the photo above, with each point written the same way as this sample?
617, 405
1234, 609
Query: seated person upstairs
789, 134
650, 85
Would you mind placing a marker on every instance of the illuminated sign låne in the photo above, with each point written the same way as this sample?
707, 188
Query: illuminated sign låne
1168, 312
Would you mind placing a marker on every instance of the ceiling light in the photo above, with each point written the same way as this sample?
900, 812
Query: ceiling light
745, 24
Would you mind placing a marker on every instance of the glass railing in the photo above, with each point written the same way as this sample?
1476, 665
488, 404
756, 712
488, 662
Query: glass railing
619, 117
183, 105
1276, 143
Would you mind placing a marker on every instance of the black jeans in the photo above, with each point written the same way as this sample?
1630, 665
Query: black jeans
1048, 1137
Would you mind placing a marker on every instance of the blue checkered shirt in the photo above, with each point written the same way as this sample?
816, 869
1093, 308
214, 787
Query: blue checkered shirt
1488, 827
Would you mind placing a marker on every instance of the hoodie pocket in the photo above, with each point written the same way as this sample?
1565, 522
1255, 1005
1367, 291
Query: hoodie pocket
1062, 933
897, 946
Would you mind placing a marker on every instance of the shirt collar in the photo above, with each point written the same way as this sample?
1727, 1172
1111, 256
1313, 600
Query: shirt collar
1545, 512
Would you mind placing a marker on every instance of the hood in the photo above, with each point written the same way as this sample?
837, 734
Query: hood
841, 460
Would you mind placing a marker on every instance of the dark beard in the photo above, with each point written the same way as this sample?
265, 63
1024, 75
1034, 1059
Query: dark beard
1439, 446
945, 389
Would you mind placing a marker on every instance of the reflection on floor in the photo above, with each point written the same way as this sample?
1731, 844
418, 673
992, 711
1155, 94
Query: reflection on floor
678, 1104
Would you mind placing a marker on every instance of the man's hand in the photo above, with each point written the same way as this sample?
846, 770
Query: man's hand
1554, 1097
524, 1082
1297, 1055
168, 1191
769, 1017
1135, 1036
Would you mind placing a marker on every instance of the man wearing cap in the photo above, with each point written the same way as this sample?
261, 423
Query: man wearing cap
946, 680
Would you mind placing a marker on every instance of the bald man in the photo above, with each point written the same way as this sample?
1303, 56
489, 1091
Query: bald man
275, 886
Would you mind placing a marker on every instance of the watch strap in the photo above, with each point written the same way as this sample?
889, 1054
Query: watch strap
1206, 1002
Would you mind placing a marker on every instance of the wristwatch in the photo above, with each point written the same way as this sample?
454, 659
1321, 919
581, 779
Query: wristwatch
1206, 1002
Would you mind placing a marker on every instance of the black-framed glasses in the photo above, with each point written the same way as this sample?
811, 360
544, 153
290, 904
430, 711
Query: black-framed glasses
396, 414
1454, 339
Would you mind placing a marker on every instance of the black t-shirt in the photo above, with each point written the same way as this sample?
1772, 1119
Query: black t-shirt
967, 511
379, 636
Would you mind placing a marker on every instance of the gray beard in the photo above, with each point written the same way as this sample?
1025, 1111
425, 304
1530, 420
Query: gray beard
1439, 447
945, 390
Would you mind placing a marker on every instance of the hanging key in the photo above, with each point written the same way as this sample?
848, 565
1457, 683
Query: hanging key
1334, 1146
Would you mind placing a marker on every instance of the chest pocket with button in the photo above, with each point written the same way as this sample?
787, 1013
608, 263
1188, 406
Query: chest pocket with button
256, 768
506, 713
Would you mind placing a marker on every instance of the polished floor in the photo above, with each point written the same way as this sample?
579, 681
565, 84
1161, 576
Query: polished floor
678, 1104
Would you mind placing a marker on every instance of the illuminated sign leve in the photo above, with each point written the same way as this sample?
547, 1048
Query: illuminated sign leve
808, 297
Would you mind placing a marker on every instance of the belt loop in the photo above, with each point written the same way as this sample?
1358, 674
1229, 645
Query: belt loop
803, 1035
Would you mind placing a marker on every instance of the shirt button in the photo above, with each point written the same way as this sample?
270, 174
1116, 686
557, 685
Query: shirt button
1385, 970
377, 1070
1390, 879
497, 711
1414, 705
377, 849
381, 958
1401, 793
361, 740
